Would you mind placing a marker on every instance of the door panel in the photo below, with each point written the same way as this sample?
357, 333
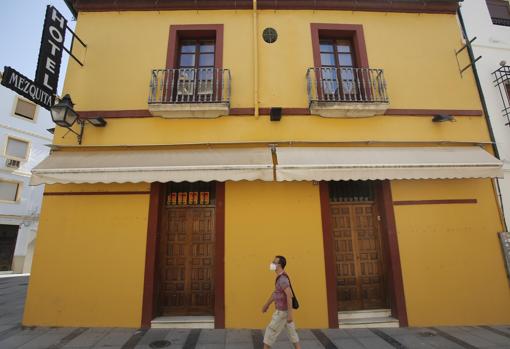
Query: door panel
345, 257
187, 261
202, 260
358, 256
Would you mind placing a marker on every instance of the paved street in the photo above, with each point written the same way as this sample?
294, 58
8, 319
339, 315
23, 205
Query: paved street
13, 335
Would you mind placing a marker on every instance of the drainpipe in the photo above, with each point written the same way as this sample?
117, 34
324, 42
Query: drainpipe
255, 60
485, 111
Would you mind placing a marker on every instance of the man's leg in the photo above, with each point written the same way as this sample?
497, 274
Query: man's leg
292, 334
274, 328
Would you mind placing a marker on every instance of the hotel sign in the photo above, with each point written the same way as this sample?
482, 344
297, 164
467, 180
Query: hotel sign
27, 88
504, 238
42, 91
50, 53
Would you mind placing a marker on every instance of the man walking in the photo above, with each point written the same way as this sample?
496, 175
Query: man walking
282, 298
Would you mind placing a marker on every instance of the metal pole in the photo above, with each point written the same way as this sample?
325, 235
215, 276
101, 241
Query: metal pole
255, 59
70, 54
485, 111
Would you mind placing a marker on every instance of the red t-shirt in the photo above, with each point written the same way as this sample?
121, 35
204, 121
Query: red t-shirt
279, 296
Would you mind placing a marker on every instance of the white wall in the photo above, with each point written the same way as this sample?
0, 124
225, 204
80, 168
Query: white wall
493, 44
24, 213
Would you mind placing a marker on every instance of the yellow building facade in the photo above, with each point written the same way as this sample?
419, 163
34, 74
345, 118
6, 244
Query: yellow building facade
237, 131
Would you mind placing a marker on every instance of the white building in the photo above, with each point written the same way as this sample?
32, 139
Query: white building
489, 22
23, 140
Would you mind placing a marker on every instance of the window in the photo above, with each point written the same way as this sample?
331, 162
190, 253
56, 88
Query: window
191, 194
16, 149
25, 109
9, 191
499, 11
341, 72
196, 69
341, 83
351, 191
269, 35
195, 58
337, 62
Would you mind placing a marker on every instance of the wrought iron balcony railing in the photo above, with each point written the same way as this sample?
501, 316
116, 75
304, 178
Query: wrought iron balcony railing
502, 82
346, 85
189, 85
501, 21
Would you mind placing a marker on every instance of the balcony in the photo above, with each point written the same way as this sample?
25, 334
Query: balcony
190, 92
347, 92
501, 21
502, 82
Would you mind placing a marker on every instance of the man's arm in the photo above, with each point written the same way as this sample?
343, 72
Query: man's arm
268, 303
288, 292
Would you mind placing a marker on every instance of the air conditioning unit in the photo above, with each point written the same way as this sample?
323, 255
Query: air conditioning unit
11, 163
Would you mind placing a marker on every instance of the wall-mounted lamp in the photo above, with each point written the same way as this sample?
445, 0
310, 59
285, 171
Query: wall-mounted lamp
442, 118
64, 115
275, 113
97, 121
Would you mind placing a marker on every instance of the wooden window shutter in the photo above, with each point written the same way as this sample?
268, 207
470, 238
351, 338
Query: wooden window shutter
25, 109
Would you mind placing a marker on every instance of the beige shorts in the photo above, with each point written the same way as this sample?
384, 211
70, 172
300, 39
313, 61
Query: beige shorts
275, 327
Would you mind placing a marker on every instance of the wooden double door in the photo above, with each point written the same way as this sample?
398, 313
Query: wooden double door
8, 236
186, 261
360, 267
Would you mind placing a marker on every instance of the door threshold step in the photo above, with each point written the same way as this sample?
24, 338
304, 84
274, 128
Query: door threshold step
204, 322
361, 314
374, 322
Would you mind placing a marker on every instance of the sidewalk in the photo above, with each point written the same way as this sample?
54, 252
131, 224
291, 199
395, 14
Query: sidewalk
13, 335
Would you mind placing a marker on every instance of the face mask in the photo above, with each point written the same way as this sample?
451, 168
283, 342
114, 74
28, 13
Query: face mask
272, 266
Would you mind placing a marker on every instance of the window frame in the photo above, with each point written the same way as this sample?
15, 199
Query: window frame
18, 191
15, 104
341, 82
173, 201
181, 32
27, 153
352, 32
197, 31
197, 54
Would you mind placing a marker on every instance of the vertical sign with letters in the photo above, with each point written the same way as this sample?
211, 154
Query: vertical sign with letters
504, 238
50, 53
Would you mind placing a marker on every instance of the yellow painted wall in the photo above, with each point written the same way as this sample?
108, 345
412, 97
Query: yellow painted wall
264, 219
421, 72
88, 268
290, 128
452, 262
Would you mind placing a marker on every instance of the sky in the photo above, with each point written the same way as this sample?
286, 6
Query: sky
21, 23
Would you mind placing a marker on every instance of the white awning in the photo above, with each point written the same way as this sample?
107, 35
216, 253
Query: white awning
371, 163
176, 165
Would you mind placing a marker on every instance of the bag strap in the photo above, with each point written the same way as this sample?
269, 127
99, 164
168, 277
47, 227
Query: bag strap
282, 274
290, 283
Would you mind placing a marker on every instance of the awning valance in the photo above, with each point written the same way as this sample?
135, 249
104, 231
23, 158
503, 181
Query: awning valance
371, 163
293, 164
176, 165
